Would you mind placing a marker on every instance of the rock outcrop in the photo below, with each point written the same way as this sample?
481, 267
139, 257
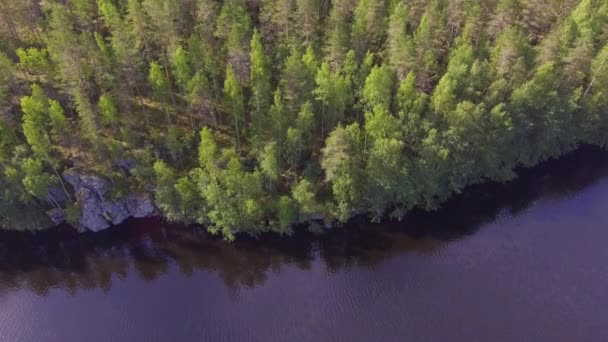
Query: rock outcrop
56, 215
98, 212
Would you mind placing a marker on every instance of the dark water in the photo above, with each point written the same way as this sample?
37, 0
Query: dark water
526, 261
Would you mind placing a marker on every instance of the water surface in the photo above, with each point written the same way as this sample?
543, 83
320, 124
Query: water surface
524, 261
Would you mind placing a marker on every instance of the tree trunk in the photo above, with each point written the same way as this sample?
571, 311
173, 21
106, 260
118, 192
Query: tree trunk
167, 114
238, 135
143, 106
594, 77
65, 189
10, 24
53, 201
191, 119
166, 66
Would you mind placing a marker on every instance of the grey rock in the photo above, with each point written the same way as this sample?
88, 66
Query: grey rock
126, 164
56, 215
94, 183
57, 195
92, 216
72, 176
115, 212
99, 212
318, 222
140, 206
315, 217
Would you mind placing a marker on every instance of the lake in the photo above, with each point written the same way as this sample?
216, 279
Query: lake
523, 261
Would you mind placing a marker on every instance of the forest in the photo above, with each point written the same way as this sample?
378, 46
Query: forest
249, 116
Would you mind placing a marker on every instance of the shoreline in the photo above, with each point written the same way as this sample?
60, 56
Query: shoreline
482, 197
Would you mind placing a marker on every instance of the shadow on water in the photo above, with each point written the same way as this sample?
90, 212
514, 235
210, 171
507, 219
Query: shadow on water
61, 258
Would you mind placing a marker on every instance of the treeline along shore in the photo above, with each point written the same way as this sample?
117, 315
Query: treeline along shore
249, 116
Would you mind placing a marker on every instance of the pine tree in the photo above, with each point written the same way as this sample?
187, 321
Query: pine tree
6, 79
401, 49
108, 110
378, 88
234, 27
337, 37
36, 130
369, 26
308, 19
269, 164
234, 103
160, 86
333, 91
260, 88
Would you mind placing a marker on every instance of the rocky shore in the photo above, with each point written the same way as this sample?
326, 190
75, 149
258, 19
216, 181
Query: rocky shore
97, 210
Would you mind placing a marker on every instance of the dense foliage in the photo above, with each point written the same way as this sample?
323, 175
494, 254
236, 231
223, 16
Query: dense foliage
253, 115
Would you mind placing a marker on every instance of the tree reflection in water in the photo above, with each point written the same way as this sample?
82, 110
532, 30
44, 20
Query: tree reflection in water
62, 259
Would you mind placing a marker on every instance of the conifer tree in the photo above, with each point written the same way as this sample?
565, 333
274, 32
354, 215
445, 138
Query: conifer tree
234, 103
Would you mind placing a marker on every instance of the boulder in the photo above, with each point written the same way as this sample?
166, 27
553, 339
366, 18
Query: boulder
57, 195
98, 212
57, 216
92, 216
320, 219
73, 177
140, 206
94, 183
